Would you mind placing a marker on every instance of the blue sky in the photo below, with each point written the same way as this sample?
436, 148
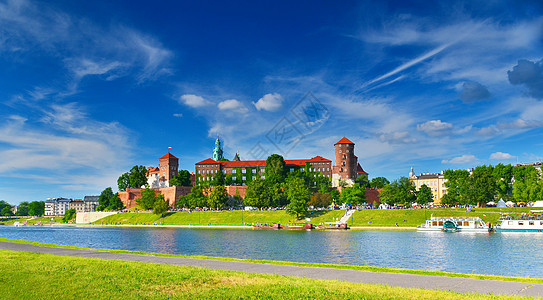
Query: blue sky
90, 88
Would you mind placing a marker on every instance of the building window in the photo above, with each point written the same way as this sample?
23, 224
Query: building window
339, 150
292, 169
243, 171
243, 178
254, 177
234, 178
254, 171
262, 170
262, 177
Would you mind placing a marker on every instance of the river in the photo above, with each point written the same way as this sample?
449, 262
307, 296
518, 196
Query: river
507, 254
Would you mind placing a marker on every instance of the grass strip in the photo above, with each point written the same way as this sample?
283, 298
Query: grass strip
299, 264
45, 276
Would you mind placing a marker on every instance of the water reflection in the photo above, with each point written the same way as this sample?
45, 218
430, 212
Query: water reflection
508, 254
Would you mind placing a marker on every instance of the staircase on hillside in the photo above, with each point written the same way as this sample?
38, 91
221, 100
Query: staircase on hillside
346, 216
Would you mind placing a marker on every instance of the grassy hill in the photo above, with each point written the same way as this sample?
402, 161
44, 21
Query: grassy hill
371, 218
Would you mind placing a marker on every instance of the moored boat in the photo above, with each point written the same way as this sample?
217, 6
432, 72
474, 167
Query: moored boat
523, 222
455, 224
267, 226
298, 226
333, 226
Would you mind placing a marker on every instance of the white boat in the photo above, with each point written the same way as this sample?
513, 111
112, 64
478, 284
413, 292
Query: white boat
455, 224
522, 222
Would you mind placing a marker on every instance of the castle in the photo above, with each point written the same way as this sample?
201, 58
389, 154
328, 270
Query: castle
346, 169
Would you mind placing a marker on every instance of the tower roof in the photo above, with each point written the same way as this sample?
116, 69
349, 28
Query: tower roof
344, 140
169, 155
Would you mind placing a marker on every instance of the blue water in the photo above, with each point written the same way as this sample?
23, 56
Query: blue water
508, 254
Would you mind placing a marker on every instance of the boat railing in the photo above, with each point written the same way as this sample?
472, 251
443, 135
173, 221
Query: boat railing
455, 219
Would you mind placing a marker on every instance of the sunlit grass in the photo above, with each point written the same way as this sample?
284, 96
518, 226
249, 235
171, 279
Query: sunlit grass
44, 276
320, 265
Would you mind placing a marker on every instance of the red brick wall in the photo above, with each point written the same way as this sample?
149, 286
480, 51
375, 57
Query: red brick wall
171, 194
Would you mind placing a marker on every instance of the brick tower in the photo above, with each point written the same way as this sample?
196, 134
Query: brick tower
168, 165
346, 162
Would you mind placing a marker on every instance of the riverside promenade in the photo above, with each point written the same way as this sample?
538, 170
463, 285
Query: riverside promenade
455, 284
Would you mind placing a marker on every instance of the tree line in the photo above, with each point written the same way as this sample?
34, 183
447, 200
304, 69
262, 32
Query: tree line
25, 208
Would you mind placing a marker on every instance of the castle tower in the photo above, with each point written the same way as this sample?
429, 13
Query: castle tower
346, 162
217, 151
168, 167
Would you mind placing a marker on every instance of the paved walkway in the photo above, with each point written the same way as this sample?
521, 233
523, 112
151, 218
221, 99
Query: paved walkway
462, 285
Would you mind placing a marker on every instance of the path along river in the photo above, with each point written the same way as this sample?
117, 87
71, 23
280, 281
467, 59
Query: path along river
507, 254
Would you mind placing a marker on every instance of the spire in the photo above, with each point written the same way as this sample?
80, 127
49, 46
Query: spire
217, 151
412, 173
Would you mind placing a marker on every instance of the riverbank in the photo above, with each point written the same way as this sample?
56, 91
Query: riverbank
121, 275
369, 218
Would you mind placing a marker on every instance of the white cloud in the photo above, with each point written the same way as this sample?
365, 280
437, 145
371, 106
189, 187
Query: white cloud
233, 105
435, 128
269, 102
501, 156
71, 143
178, 115
194, 101
83, 44
460, 160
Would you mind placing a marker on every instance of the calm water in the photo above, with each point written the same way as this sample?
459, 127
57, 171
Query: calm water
509, 254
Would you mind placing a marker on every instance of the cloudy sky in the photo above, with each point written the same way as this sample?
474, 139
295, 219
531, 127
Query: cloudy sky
90, 88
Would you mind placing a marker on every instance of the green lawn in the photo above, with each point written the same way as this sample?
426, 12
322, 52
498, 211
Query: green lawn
218, 217
30, 221
44, 276
372, 218
414, 217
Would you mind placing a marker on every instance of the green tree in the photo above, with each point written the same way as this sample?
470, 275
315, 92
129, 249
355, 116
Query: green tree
115, 203
527, 184
277, 195
147, 199
36, 208
424, 195
298, 196
138, 176
457, 185
320, 199
379, 182
6, 211
196, 197
363, 180
123, 182
69, 215
22, 209
182, 179
400, 191
4, 204
103, 200
218, 197
161, 206
275, 170
503, 174
334, 194
353, 195
481, 186
257, 194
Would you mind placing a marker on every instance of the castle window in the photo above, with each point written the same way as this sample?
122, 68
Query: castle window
347, 150
340, 151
